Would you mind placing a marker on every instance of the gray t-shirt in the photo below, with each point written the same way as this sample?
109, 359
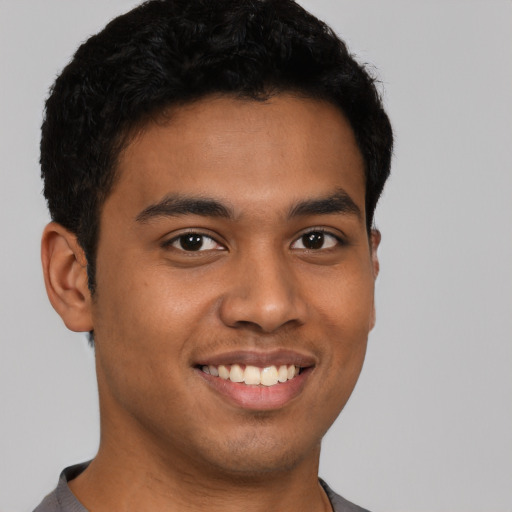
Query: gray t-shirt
63, 500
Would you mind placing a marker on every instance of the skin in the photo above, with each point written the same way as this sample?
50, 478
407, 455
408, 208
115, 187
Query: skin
255, 288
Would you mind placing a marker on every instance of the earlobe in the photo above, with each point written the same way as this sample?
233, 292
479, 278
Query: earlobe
65, 277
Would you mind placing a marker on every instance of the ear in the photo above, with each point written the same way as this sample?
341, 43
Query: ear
375, 238
65, 277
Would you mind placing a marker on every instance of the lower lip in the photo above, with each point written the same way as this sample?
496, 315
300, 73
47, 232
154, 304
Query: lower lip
258, 398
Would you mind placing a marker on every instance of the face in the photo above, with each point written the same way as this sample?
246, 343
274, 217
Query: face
235, 283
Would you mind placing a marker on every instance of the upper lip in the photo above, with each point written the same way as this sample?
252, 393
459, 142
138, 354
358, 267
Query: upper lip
261, 359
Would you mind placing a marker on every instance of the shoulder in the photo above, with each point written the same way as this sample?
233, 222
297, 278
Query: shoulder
62, 499
340, 504
49, 504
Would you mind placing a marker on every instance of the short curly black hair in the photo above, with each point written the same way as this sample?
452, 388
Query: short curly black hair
168, 52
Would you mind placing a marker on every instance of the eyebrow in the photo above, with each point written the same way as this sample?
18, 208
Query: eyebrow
339, 202
177, 205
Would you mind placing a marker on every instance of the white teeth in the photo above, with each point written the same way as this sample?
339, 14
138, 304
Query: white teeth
236, 374
282, 373
269, 376
252, 375
223, 372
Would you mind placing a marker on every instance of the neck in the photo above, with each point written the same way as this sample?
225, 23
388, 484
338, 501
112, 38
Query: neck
126, 485
150, 478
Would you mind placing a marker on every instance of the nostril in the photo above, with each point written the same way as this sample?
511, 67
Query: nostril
260, 315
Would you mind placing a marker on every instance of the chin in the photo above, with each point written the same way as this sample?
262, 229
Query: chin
259, 455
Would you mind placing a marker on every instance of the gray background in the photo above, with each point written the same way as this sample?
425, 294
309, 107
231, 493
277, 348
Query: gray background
429, 427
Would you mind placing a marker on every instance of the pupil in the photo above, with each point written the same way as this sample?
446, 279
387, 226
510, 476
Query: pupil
313, 240
191, 242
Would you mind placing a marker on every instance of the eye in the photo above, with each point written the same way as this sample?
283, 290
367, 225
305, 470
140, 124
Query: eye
316, 240
194, 242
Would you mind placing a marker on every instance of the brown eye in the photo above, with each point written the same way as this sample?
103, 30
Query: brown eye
316, 240
194, 242
191, 242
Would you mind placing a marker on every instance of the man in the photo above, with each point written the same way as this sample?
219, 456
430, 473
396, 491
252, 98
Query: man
212, 170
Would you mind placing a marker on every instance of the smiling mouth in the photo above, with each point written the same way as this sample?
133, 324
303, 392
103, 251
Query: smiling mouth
253, 375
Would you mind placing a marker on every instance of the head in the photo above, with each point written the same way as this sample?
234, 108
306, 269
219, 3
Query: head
169, 53
215, 166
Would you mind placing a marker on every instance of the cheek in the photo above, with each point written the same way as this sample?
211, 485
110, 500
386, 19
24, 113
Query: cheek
151, 299
147, 321
347, 302
142, 328
346, 313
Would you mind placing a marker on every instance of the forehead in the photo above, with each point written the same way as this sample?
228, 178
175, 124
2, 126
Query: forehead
255, 153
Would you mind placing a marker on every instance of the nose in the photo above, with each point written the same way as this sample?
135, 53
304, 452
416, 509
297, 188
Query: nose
264, 295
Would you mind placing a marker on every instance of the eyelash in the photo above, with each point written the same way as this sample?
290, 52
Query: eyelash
169, 243
339, 241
